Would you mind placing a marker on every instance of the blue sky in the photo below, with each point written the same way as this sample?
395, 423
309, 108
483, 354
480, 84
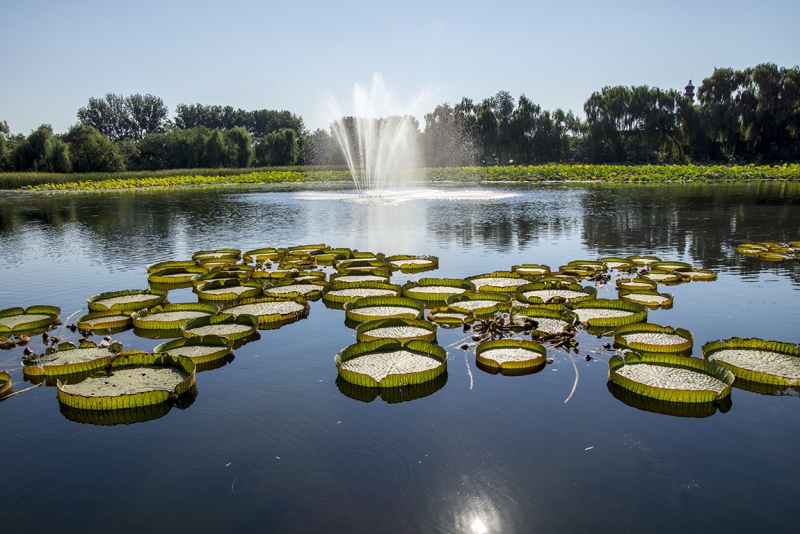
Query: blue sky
55, 55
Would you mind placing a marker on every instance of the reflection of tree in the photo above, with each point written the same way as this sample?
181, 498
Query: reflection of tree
702, 223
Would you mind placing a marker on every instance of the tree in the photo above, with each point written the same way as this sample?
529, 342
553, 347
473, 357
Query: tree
277, 148
42, 151
240, 144
147, 114
121, 118
91, 151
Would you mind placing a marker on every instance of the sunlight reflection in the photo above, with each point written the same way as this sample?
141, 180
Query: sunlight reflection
396, 196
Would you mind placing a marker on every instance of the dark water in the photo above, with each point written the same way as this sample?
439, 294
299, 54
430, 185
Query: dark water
272, 444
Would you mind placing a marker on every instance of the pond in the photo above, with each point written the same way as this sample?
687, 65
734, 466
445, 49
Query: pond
271, 443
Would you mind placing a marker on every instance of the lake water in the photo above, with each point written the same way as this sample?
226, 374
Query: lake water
273, 444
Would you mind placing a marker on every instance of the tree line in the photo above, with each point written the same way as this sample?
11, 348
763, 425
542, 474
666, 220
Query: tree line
750, 115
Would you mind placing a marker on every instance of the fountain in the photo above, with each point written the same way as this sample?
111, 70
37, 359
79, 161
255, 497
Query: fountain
380, 148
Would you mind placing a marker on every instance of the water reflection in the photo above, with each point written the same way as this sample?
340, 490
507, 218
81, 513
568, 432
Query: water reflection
677, 409
391, 395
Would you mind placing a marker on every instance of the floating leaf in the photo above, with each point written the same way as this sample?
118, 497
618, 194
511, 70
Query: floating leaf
226, 290
371, 308
555, 291
531, 269
67, 359
222, 255
576, 271
643, 260
390, 363
595, 265
648, 337
756, 360
5, 384
271, 310
648, 297
137, 380
671, 378
773, 256
288, 287
480, 303
171, 316
200, 349
499, 282
511, 354
128, 300
175, 275
607, 313
361, 265
409, 264
669, 266
436, 289
233, 327
447, 316
260, 255
14, 320
637, 283
104, 320
550, 322
172, 264
400, 329
341, 293
621, 264
663, 277
360, 277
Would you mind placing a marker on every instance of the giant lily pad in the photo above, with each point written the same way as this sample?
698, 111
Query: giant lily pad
756, 360
607, 313
271, 310
288, 287
549, 321
68, 359
372, 308
260, 255
643, 260
480, 303
669, 265
620, 264
136, 380
390, 363
648, 337
360, 277
663, 277
562, 291
105, 320
226, 290
174, 275
222, 255
201, 349
499, 282
233, 327
5, 384
400, 329
697, 275
647, 297
171, 316
341, 293
676, 409
637, 283
410, 264
451, 317
511, 354
171, 264
128, 300
363, 265
531, 269
594, 265
668, 377
14, 320
436, 289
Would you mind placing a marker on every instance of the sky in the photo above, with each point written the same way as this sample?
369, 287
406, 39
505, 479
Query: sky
55, 55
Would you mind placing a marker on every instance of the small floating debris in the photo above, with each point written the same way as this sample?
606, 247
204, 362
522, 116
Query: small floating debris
648, 337
670, 378
14, 320
390, 363
756, 360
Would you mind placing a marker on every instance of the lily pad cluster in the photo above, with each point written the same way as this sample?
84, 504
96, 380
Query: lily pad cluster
773, 251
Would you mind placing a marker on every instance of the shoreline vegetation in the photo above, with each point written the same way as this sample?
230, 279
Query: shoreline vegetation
43, 182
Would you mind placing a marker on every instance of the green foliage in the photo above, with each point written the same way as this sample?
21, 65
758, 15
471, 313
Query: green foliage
92, 151
43, 152
119, 117
258, 123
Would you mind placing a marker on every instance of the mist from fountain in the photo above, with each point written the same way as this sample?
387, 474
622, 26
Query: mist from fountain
379, 144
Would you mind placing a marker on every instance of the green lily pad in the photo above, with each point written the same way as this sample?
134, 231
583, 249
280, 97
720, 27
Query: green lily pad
637, 283
531, 269
271, 310
105, 320
289, 288
561, 291
549, 321
675, 409
511, 354
372, 308
233, 327
260, 255
200, 349
400, 329
480, 303
596, 265
227, 290
136, 380
620, 264
669, 377
390, 363
643, 260
171, 316
607, 313
5, 384
411, 264
499, 282
436, 289
756, 360
14, 320
341, 293
450, 317
226, 255
68, 359
171, 264
648, 337
127, 300
360, 277
669, 265
648, 297
663, 277
175, 275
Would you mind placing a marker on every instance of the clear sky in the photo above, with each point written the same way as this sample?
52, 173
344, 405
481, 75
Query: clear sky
55, 55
